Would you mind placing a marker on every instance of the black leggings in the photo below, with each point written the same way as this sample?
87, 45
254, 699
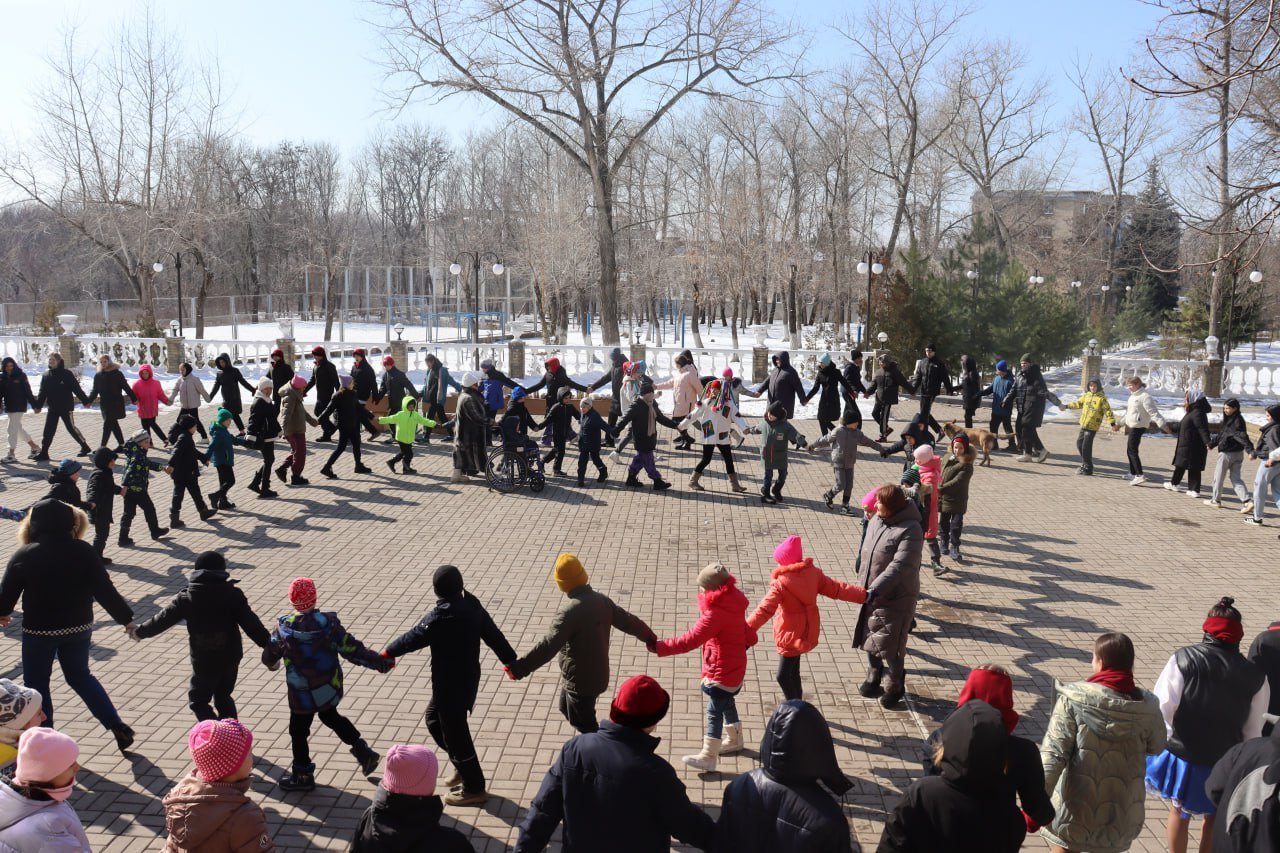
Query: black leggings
110, 427
226, 479
345, 438
150, 425
789, 677
725, 451
300, 731
1132, 448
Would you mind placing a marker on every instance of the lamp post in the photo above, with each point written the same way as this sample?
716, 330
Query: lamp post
1105, 289
1035, 278
1255, 277
870, 268
974, 277
158, 268
456, 269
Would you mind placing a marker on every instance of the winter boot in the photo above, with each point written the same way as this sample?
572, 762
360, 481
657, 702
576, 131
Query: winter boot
299, 480
328, 473
661, 485
732, 741
892, 697
124, 736
367, 758
280, 472
1043, 454
299, 780
207, 514
633, 482
582, 482
213, 498
391, 465
176, 523
603, 475
705, 761
223, 503
765, 497
363, 469
777, 493
268, 493
738, 487
828, 497
159, 533
694, 480
256, 484
409, 469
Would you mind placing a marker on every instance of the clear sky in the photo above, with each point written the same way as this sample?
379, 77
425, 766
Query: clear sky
307, 69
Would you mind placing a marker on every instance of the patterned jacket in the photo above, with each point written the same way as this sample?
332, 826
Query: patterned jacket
1094, 407
310, 644
137, 467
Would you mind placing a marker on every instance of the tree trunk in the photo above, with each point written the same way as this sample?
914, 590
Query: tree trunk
694, 310
331, 306
1224, 175
793, 311
734, 324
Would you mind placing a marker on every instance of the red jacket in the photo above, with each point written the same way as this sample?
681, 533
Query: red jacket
794, 596
150, 393
723, 634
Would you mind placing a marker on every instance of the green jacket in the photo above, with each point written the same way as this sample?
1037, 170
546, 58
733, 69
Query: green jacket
1094, 754
953, 490
407, 421
773, 442
1095, 407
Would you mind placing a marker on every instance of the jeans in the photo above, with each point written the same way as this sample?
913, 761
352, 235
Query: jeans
768, 478
644, 459
16, 431
580, 711
51, 428
1229, 464
300, 731
195, 413
721, 708
297, 453
726, 452
1193, 478
213, 680
72, 654
789, 677
451, 731
1005, 420
1267, 479
110, 427
345, 438
950, 528
132, 501
1132, 449
1084, 444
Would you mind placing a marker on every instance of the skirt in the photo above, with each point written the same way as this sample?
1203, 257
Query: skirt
1181, 782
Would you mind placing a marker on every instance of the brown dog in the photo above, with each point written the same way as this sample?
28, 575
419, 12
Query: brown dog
980, 439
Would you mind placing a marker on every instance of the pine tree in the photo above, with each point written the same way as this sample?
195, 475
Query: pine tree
1149, 245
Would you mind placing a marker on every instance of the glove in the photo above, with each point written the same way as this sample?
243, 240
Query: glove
509, 673
652, 647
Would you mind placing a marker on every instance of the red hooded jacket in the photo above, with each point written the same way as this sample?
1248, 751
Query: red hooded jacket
722, 632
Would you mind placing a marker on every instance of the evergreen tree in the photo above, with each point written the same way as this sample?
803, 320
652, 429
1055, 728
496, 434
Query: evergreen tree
1149, 245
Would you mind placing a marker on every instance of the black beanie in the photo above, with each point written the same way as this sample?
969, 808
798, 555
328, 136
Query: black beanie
211, 561
447, 582
1274, 411
854, 355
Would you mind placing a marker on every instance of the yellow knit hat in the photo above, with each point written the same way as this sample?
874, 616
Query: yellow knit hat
569, 573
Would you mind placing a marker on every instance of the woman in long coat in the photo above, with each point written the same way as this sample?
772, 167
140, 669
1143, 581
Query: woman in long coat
890, 573
472, 436
110, 389
1190, 455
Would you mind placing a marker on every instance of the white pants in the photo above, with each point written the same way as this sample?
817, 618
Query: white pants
16, 431
1229, 464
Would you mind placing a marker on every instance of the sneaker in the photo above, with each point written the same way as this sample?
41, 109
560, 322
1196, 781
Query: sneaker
955, 554
1192, 494
1138, 480
41, 457
85, 452
765, 497
1023, 458
828, 497
1215, 504
938, 569
409, 469
328, 473
891, 698
1044, 454
1171, 487
460, 797
124, 736
8, 459
1247, 508
1256, 522
267, 493
296, 781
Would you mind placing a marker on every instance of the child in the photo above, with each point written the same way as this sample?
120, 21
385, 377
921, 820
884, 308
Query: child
150, 394
793, 594
778, 431
221, 453
188, 392
406, 423
953, 494
558, 417
215, 611
264, 426
516, 423
453, 629
210, 809
101, 497
34, 803
844, 441
135, 487
590, 428
644, 417
19, 710
184, 467
405, 814
722, 633
1232, 442
310, 642
294, 419
921, 481
64, 484
344, 409
1093, 407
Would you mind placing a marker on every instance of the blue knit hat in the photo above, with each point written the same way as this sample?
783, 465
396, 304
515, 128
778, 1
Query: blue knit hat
1002, 365
67, 467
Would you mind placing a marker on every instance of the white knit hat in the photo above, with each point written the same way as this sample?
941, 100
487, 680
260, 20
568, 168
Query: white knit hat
18, 705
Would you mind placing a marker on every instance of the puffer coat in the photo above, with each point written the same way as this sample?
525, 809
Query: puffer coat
953, 491
890, 561
1193, 437
1094, 754
723, 634
793, 595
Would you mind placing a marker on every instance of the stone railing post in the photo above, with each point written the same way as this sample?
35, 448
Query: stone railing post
288, 346
759, 364
400, 352
68, 344
515, 359
1213, 377
173, 348
637, 353
1090, 367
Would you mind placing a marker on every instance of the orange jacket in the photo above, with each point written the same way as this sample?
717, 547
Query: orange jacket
793, 596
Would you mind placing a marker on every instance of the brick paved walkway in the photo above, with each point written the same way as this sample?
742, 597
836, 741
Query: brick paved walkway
1054, 559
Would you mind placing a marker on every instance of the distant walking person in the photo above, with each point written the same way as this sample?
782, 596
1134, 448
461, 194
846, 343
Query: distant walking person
229, 381
111, 389
15, 389
929, 381
1139, 416
59, 388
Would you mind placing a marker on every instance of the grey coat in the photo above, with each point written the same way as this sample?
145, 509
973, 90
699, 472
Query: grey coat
890, 560
844, 442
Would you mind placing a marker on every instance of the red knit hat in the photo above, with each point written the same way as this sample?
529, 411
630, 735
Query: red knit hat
219, 747
302, 594
318, 351
277, 352
358, 351
641, 702
388, 361
552, 364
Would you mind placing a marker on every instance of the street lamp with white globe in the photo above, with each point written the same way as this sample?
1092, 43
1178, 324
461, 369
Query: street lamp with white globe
476, 258
870, 268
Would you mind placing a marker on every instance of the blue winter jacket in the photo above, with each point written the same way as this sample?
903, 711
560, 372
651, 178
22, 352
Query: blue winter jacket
997, 391
221, 444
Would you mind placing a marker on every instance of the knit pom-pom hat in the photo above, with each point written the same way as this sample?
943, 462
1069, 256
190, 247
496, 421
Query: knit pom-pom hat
18, 705
411, 770
218, 748
789, 552
869, 501
302, 594
923, 454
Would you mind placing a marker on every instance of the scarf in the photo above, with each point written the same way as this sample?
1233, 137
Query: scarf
1119, 680
1223, 629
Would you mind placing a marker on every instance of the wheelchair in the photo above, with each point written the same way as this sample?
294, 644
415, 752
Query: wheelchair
507, 469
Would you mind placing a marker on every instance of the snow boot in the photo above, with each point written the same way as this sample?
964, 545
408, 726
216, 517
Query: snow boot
328, 473
704, 761
367, 758
176, 523
732, 741
299, 480
298, 780
661, 485
363, 469
693, 482
777, 493
124, 736
765, 497
738, 487
633, 482
280, 472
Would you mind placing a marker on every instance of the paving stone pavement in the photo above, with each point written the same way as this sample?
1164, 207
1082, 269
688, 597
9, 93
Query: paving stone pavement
1053, 560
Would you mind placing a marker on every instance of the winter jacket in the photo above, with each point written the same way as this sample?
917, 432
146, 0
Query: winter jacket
137, 467
931, 377
793, 596
1192, 450
110, 389
1265, 654
715, 420
1141, 411
63, 488
722, 633
780, 807
853, 379
998, 391
215, 611
644, 416
579, 633
890, 568
293, 412
58, 578
613, 377
16, 390
364, 382
471, 437
325, 380
559, 418
916, 429
929, 478
310, 643
222, 444
263, 424
1094, 755
407, 421
149, 393
612, 793
185, 458
1269, 441
229, 381
188, 392
590, 427
829, 382
970, 385
844, 441
453, 630
60, 389
439, 381
492, 388
1243, 787
102, 488
887, 380
970, 807
1024, 772
516, 424
214, 817
400, 823
1211, 698
953, 490
553, 381
784, 384
774, 437
281, 375
38, 826
688, 390
1093, 406
1029, 396
1233, 436
344, 408
395, 386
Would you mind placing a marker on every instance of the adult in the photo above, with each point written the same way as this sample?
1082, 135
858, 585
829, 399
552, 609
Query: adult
715, 423
229, 381
58, 576
553, 379
930, 378
1094, 752
395, 386
264, 426
779, 807
34, 812
1192, 450
890, 573
1029, 395
970, 389
1243, 788
59, 388
887, 380
1001, 410
1265, 654
1212, 698
111, 389
15, 390
281, 373
324, 378
188, 392
1139, 415
472, 430
436, 390
294, 419
829, 382
579, 635
613, 377
365, 387
853, 380
784, 385
688, 388
611, 792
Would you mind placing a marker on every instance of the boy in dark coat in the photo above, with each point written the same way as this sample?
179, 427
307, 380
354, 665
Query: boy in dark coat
59, 388
778, 433
886, 381
784, 385
135, 487
281, 373
101, 497
365, 386
830, 382
558, 418
345, 411
613, 378
405, 815
453, 630
111, 389
644, 417
591, 427
324, 378
64, 484
221, 453
215, 611
184, 465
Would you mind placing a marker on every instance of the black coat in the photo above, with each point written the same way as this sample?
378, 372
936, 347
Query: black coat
1243, 787
229, 381
59, 389
613, 794
887, 380
1265, 653
560, 417
931, 377
264, 423
638, 416
325, 380
453, 630
101, 492
399, 823
591, 428
345, 409
784, 384
110, 389
1025, 771
395, 385
1028, 394
853, 380
553, 381
15, 388
829, 381
58, 578
215, 611
781, 808
364, 381
970, 385
1193, 437
281, 375
472, 432
613, 378
185, 458
1233, 436
62, 488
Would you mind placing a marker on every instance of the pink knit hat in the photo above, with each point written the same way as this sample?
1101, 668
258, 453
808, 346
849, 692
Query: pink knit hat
302, 594
219, 747
789, 552
869, 501
923, 454
411, 770
298, 382
43, 755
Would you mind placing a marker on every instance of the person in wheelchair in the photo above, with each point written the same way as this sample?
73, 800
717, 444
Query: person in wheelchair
516, 425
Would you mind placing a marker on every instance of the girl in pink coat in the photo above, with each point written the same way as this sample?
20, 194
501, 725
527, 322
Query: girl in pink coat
793, 595
150, 394
723, 634
925, 476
